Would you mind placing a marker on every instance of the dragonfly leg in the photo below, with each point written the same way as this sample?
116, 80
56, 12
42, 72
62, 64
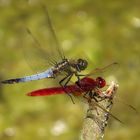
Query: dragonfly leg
87, 97
100, 97
69, 76
61, 81
110, 104
96, 96
78, 78
95, 108
92, 95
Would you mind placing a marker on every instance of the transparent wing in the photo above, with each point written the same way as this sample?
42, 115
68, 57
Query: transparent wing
104, 70
36, 57
55, 41
81, 98
103, 109
40, 55
123, 102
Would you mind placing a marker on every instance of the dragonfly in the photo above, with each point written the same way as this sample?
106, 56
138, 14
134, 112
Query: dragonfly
84, 85
87, 88
68, 67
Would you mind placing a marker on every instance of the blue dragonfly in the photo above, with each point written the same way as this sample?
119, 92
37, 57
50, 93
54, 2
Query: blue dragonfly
67, 66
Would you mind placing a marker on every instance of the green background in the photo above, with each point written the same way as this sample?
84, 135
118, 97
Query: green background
100, 31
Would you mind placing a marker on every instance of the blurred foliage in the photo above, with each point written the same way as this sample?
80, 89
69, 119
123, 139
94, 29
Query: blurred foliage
100, 31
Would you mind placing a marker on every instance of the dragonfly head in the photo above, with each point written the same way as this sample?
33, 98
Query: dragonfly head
81, 64
100, 82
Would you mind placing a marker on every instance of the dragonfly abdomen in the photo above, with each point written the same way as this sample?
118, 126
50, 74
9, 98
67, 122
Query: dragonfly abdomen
46, 74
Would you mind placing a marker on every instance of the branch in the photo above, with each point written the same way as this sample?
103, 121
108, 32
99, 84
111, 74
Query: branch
98, 114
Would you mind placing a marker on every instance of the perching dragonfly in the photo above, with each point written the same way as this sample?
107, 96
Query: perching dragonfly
65, 65
86, 89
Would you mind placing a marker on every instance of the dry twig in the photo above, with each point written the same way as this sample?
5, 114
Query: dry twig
98, 114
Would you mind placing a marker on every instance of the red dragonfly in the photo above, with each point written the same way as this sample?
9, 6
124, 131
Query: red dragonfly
86, 84
87, 88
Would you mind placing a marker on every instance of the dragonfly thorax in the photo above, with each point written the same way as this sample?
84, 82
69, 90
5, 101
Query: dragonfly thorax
63, 65
70, 66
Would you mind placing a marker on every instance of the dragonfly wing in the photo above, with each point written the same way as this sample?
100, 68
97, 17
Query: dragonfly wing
56, 44
123, 102
102, 108
46, 74
104, 70
80, 97
45, 51
35, 55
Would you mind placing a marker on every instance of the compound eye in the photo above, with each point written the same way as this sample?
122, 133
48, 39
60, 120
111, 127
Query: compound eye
100, 82
82, 64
